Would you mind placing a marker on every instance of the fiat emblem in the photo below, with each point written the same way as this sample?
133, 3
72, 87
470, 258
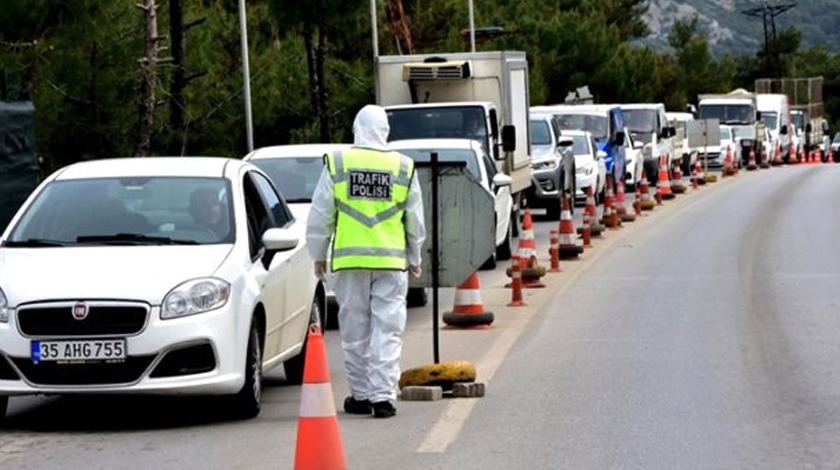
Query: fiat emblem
80, 311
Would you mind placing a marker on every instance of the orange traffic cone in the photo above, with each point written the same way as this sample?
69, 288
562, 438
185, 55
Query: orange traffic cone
777, 156
468, 310
610, 218
319, 444
637, 201
664, 183
728, 165
567, 247
751, 162
677, 185
647, 202
516, 283
553, 250
588, 214
621, 205
531, 270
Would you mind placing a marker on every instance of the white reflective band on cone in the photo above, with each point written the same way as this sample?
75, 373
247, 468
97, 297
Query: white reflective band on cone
316, 401
464, 297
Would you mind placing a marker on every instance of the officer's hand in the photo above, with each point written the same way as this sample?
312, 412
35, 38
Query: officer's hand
320, 269
415, 271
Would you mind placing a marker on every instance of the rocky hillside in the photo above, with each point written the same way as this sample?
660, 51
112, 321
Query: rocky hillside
729, 29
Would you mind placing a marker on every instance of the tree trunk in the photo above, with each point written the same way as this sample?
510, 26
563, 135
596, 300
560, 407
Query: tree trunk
312, 68
148, 65
177, 125
323, 115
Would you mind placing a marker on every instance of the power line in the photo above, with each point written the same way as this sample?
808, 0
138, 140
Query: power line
768, 12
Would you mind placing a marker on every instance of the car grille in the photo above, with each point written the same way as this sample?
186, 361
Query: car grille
102, 373
103, 318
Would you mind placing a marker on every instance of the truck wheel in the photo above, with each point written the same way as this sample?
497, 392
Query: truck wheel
417, 297
505, 250
552, 211
4, 405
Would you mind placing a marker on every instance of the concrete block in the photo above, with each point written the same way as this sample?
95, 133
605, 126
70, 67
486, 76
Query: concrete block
421, 393
468, 390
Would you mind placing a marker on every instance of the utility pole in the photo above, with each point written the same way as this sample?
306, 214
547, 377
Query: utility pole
768, 13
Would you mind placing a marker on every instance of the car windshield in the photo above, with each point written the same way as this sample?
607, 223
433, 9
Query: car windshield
596, 125
540, 133
580, 147
640, 121
725, 133
446, 155
445, 121
295, 177
728, 113
128, 211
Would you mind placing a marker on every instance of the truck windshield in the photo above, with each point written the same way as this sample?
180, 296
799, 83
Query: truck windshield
441, 122
798, 120
596, 125
728, 113
770, 119
640, 121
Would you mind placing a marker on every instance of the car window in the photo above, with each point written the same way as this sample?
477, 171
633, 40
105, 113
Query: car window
280, 213
295, 177
580, 146
540, 132
124, 210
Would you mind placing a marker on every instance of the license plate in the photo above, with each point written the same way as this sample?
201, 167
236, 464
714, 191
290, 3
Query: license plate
79, 351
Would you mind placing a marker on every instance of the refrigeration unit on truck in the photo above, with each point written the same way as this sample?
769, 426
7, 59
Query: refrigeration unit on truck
478, 95
736, 109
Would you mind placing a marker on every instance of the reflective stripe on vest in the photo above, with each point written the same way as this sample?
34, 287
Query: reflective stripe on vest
371, 188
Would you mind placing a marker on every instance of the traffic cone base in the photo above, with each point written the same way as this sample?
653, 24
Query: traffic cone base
567, 247
468, 310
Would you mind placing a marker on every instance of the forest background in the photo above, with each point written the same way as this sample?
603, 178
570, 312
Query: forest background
164, 77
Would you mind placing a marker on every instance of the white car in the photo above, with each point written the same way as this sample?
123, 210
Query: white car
154, 275
295, 170
729, 144
634, 161
483, 168
590, 168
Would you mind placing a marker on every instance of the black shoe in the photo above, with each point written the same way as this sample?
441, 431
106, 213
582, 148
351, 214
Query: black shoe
383, 409
357, 407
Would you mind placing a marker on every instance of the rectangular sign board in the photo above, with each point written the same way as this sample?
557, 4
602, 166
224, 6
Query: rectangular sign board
703, 133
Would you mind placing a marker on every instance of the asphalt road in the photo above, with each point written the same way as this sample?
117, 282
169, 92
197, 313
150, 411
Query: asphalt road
703, 335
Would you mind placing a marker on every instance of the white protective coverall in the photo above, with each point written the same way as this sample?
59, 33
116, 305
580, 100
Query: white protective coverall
372, 313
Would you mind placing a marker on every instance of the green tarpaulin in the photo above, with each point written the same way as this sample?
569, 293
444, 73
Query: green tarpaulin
18, 168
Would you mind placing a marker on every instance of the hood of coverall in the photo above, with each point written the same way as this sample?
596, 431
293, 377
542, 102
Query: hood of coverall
370, 129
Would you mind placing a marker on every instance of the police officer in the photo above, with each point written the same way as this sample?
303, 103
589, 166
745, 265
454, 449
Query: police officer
368, 203
761, 137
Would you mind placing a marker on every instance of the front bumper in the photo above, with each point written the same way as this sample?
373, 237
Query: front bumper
545, 187
197, 354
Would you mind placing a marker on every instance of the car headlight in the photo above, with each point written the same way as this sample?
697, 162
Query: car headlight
4, 308
590, 169
196, 296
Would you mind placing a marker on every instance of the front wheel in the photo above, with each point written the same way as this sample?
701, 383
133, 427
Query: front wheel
247, 400
4, 405
505, 250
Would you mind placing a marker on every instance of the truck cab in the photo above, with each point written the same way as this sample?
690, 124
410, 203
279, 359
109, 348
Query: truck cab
738, 110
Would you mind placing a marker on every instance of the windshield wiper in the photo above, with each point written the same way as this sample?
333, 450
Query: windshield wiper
34, 242
133, 239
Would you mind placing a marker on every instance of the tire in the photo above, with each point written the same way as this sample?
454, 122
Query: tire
505, 250
490, 264
293, 367
246, 403
417, 297
4, 405
552, 211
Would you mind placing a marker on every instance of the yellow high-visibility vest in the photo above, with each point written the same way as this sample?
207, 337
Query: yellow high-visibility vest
371, 188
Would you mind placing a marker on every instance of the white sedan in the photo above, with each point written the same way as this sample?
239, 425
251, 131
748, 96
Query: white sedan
483, 168
634, 160
590, 168
154, 275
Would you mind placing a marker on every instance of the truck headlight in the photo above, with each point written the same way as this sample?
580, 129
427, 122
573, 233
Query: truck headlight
4, 308
196, 296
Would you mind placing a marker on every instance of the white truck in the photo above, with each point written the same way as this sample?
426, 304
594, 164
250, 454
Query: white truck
480, 95
736, 109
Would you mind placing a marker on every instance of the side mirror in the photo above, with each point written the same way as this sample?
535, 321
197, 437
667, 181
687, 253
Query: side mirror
601, 155
565, 141
619, 138
809, 128
501, 179
508, 138
783, 130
